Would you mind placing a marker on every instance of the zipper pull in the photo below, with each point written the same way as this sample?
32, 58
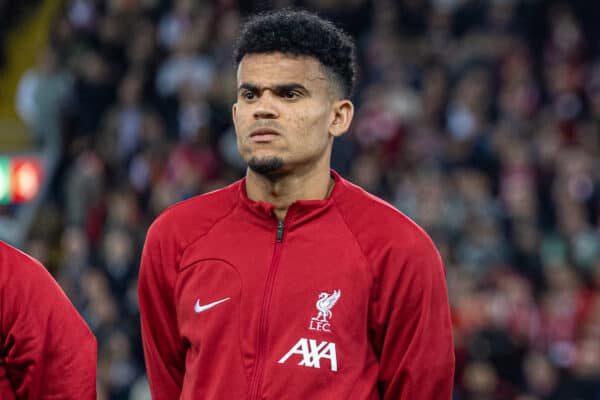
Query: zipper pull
279, 231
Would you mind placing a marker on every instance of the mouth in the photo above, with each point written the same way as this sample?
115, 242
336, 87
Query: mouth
263, 135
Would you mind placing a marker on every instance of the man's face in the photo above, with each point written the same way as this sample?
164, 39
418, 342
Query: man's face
284, 112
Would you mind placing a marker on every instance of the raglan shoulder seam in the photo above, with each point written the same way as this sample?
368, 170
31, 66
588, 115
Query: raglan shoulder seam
358, 243
201, 235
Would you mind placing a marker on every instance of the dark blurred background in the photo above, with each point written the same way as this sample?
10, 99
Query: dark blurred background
478, 119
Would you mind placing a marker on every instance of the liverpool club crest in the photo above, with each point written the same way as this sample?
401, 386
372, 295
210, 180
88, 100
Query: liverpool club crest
324, 305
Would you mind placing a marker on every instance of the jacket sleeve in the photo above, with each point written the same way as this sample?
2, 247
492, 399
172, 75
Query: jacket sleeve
411, 326
48, 350
163, 349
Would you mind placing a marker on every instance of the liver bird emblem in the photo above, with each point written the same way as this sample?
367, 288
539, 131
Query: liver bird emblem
325, 304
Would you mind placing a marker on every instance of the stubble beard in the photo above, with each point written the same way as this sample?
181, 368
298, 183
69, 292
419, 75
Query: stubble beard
269, 167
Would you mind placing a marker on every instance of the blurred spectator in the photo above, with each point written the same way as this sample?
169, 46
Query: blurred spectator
118, 139
185, 66
41, 96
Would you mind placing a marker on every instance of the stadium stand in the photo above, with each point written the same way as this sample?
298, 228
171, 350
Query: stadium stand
480, 120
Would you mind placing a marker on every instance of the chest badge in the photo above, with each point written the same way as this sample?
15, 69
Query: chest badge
324, 305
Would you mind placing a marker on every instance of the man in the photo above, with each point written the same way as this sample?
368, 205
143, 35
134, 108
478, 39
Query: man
46, 349
293, 283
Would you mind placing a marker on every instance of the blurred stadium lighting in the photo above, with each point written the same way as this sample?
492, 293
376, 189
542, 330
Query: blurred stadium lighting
24, 180
20, 179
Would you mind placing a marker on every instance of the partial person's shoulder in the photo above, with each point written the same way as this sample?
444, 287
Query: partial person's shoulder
196, 215
21, 272
373, 219
11, 257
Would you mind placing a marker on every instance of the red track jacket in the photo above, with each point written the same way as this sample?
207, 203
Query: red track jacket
46, 349
346, 299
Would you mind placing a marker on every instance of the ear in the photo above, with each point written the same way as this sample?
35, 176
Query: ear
234, 115
343, 112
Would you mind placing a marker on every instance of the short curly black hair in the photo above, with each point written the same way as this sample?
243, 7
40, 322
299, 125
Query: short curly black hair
300, 33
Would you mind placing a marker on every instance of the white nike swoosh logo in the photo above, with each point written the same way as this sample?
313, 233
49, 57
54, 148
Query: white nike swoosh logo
198, 308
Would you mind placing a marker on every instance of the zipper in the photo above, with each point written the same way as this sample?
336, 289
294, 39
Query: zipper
256, 382
279, 231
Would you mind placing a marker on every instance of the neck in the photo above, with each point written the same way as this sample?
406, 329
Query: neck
281, 192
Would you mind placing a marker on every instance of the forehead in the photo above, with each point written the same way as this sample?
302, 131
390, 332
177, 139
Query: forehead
277, 68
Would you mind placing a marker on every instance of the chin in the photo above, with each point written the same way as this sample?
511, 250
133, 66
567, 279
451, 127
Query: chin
268, 166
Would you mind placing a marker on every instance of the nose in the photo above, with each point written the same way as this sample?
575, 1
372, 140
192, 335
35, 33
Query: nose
265, 107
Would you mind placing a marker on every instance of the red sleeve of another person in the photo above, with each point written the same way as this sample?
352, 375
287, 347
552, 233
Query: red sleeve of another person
46, 349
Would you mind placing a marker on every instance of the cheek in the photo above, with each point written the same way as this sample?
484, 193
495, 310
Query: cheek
311, 114
309, 137
315, 126
239, 116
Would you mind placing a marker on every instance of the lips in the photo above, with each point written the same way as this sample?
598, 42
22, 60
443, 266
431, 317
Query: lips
263, 135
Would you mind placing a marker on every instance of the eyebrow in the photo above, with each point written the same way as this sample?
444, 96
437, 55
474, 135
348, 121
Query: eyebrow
276, 88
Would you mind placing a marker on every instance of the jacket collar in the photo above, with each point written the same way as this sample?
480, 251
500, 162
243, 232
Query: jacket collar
301, 211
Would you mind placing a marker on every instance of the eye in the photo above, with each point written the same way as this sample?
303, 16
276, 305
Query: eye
248, 95
291, 94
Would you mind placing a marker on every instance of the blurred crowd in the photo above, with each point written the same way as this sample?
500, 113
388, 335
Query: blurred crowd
478, 119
